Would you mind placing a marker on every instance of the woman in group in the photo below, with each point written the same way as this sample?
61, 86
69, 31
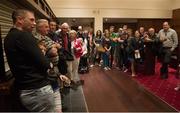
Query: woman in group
138, 50
122, 44
130, 49
77, 51
107, 47
98, 43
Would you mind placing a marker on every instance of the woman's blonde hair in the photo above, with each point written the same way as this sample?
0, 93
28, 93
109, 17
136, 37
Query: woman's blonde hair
73, 31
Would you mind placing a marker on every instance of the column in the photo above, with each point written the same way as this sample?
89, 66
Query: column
98, 21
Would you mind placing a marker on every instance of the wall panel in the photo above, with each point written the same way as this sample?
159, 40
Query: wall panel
176, 26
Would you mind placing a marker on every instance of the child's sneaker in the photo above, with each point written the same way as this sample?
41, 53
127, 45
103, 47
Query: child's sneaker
92, 65
125, 70
108, 68
105, 68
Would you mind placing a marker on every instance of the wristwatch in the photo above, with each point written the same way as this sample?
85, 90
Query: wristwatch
51, 67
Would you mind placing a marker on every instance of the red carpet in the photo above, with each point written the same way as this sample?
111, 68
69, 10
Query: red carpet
162, 88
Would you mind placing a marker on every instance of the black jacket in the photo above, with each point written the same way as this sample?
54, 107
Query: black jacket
27, 63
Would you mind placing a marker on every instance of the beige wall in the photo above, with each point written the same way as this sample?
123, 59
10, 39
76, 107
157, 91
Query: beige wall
127, 4
175, 4
112, 8
127, 7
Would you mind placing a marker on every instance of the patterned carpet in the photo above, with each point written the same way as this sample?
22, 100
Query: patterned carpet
162, 88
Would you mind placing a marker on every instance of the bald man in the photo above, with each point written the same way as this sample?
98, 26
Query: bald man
169, 40
64, 37
65, 42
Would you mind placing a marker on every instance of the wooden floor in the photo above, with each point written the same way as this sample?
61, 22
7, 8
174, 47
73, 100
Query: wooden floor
114, 91
104, 91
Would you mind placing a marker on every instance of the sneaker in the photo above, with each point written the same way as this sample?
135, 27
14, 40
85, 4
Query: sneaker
177, 88
105, 68
108, 68
125, 70
92, 65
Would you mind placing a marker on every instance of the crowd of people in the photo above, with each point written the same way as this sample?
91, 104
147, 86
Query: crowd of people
42, 61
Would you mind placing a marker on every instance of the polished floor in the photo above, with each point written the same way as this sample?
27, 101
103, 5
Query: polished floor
114, 91
103, 91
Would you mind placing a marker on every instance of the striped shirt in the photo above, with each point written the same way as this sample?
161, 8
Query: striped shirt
48, 41
48, 44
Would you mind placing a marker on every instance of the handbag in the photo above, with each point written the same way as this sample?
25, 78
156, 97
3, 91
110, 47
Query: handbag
100, 49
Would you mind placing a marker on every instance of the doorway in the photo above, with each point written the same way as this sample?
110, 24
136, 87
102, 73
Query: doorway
119, 22
86, 23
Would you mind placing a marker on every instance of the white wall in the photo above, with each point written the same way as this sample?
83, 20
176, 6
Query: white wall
161, 8
127, 4
112, 8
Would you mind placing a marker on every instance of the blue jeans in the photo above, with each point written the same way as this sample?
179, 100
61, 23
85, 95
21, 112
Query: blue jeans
105, 59
38, 100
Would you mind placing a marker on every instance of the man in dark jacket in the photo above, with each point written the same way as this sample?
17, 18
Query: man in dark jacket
65, 51
28, 64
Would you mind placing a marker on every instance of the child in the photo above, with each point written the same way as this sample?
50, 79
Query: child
51, 52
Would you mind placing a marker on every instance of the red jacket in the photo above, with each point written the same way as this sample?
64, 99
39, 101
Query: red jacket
78, 51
